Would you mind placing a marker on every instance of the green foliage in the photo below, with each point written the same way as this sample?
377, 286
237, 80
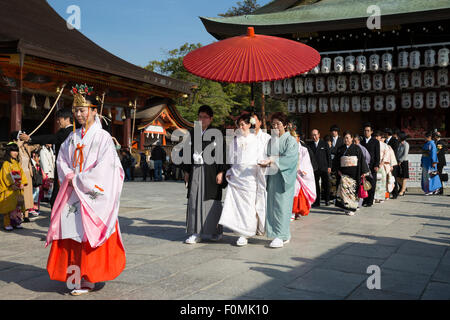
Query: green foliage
242, 8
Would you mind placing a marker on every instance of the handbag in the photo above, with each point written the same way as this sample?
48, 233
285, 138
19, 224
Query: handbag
444, 177
367, 185
362, 193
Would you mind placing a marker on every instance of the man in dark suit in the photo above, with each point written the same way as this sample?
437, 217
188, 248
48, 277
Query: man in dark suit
336, 140
394, 143
64, 120
373, 146
441, 150
323, 158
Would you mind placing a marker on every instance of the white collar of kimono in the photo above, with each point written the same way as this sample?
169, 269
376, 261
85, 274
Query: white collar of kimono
89, 133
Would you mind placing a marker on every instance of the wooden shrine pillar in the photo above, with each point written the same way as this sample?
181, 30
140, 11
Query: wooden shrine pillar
142, 141
127, 132
16, 110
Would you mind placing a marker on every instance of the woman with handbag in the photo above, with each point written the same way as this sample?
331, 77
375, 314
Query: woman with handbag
431, 183
402, 155
352, 168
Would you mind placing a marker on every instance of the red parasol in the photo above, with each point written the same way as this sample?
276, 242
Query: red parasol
251, 58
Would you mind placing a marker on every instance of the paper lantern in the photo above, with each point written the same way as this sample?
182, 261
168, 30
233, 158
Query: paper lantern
386, 61
354, 83
442, 77
430, 59
414, 59
416, 79
378, 82
345, 104
403, 80
33, 104
389, 81
320, 84
266, 88
390, 103
365, 104
350, 63
366, 82
323, 105
287, 86
47, 103
428, 78
302, 105
443, 57
312, 104
339, 64
356, 103
299, 85
361, 64
309, 85
406, 101
278, 87
334, 104
418, 100
378, 103
431, 100
326, 65
444, 99
341, 83
403, 59
331, 84
374, 62
292, 106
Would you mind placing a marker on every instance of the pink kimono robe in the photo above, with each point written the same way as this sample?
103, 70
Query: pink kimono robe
305, 185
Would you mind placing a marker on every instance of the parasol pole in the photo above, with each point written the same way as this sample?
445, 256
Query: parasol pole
263, 111
54, 105
252, 90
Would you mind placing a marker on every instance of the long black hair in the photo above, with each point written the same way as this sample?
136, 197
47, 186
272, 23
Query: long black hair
11, 147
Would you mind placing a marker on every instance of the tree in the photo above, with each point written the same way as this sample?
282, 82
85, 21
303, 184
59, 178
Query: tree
242, 8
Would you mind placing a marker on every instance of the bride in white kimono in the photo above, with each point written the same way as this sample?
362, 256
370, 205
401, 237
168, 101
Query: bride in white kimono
240, 212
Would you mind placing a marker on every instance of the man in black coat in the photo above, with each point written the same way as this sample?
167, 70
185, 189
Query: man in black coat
336, 140
64, 120
441, 150
394, 143
373, 146
323, 158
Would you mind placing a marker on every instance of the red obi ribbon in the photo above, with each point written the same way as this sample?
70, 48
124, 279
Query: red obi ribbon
78, 157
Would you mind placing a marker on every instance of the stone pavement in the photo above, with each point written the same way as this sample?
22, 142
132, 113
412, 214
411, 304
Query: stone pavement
327, 257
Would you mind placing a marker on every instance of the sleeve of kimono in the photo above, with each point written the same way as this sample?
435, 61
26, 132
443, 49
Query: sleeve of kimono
376, 158
362, 162
5, 176
187, 148
433, 153
24, 177
63, 163
288, 158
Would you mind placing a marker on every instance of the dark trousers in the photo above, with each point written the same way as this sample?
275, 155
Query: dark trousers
369, 200
440, 167
144, 171
396, 189
322, 175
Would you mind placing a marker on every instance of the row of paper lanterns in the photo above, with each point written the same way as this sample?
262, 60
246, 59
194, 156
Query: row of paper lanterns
365, 82
364, 104
375, 62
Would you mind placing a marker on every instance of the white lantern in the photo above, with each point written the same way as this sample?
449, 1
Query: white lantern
378, 103
389, 81
341, 83
299, 85
403, 80
386, 59
345, 104
291, 105
312, 105
366, 83
278, 87
287, 85
361, 64
431, 99
414, 59
354, 83
443, 57
374, 62
331, 84
403, 59
320, 84
334, 104
430, 59
416, 79
418, 100
365, 104
356, 103
339, 64
309, 85
350, 63
323, 105
390, 103
428, 78
444, 99
326, 65
442, 77
302, 105
315, 70
266, 88
378, 81
406, 101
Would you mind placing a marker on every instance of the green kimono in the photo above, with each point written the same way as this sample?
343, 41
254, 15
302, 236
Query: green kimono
281, 187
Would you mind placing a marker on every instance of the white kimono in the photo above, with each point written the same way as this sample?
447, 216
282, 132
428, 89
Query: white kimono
242, 212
